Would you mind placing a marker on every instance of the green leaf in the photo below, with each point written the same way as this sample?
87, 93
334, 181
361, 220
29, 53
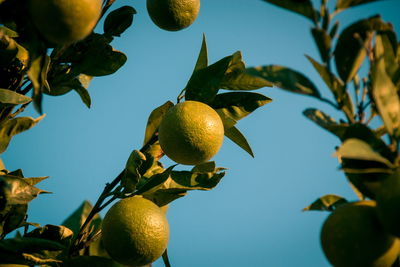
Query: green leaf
11, 217
12, 127
204, 83
37, 73
202, 60
343, 4
119, 20
384, 92
10, 98
323, 41
303, 7
132, 175
78, 217
205, 167
359, 150
57, 233
287, 79
238, 78
336, 86
238, 138
154, 181
350, 49
84, 95
155, 119
238, 105
326, 122
9, 32
29, 250
35, 180
326, 203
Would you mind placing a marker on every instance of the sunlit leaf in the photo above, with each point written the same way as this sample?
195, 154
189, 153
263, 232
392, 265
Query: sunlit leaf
350, 49
286, 78
326, 203
385, 92
12, 127
132, 175
154, 120
359, 150
155, 181
8, 97
343, 4
238, 138
304, 7
119, 20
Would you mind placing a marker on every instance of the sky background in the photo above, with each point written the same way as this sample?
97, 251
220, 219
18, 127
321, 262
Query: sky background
254, 217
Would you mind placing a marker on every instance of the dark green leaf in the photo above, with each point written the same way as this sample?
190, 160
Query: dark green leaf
57, 233
12, 217
10, 128
336, 86
326, 122
8, 98
343, 4
334, 30
18, 172
37, 73
155, 181
238, 138
238, 78
323, 41
238, 105
119, 20
84, 95
78, 217
205, 167
132, 175
350, 49
326, 203
155, 119
385, 92
204, 83
303, 7
202, 60
359, 150
187, 180
287, 79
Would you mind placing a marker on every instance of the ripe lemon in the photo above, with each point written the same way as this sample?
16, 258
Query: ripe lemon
191, 133
353, 236
388, 204
135, 231
65, 21
173, 15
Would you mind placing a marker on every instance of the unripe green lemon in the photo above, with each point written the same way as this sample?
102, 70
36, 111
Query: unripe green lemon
388, 204
191, 133
65, 21
135, 231
173, 15
353, 236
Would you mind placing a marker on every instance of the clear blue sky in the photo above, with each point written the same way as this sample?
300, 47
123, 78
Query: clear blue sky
253, 218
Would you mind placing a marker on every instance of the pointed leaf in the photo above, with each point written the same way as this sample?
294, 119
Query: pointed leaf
343, 4
238, 105
359, 150
202, 60
327, 203
238, 138
287, 79
205, 167
155, 119
10, 128
37, 73
385, 92
57, 233
350, 48
323, 41
35, 180
119, 20
84, 95
303, 7
326, 122
155, 181
10, 98
132, 175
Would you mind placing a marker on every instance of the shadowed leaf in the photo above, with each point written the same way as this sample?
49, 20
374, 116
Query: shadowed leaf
119, 20
303, 7
287, 79
132, 175
202, 60
326, 203
57, 233
326, 122
155, 119
323, 41
155, 181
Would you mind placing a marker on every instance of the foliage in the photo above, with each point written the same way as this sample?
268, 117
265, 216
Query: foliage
32, 65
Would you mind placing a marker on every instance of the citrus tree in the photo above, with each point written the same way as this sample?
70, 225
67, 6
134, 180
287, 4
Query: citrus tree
49, 47
360, 66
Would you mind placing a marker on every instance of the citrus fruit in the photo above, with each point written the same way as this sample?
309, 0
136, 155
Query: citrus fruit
353, 236
173, 15
388, 204
191, 133
135, 231
65, 21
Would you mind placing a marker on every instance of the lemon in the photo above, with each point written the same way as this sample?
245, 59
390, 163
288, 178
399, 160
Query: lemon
65, 21
353, 236
135, 231
173, 15
191, 133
